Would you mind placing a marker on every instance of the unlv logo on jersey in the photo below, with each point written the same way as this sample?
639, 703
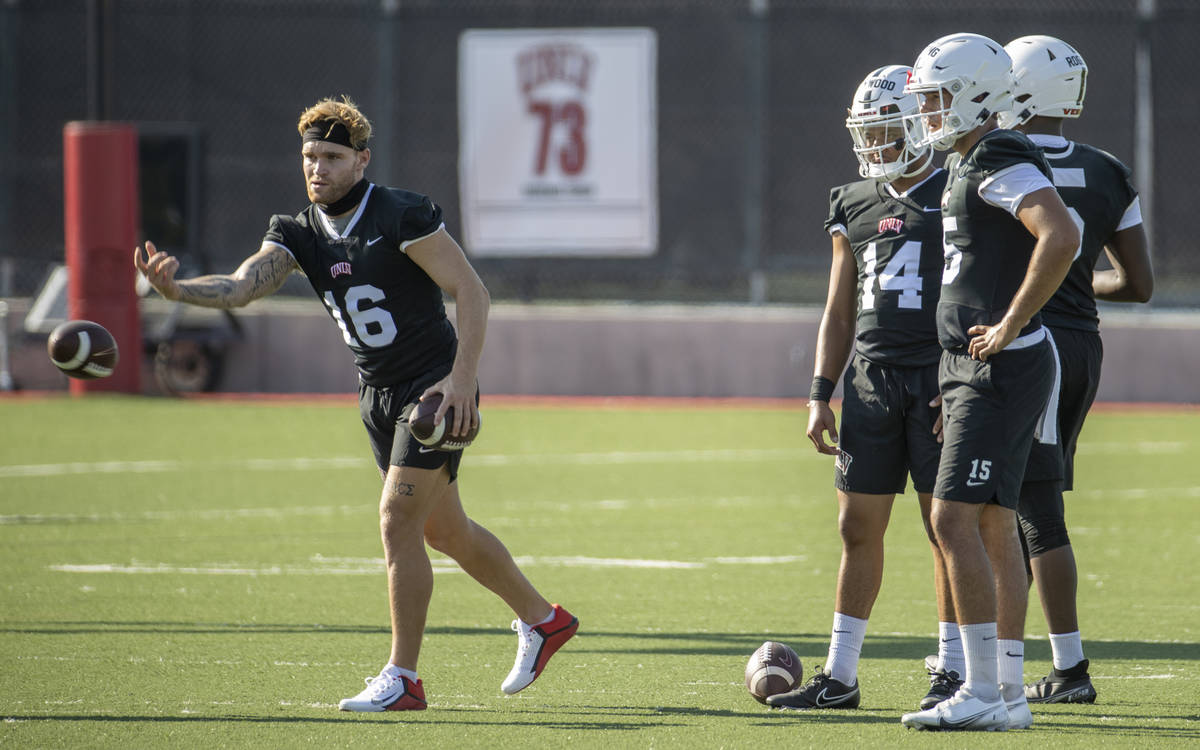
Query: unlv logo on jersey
891, 224
338, 269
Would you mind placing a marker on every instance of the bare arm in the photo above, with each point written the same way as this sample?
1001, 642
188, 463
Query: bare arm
258, 276
442, 258
1132, 276
835, 337
1044, 215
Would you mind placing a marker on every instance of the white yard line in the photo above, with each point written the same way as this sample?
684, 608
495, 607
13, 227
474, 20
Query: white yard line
15, 471
606, 458
353, 566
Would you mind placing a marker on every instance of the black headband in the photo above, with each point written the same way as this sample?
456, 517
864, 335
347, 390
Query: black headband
331, 131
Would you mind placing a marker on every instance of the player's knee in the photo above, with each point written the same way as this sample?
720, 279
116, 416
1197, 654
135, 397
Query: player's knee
1043, 522
398, 511
449, 540
858, 528
1042, 535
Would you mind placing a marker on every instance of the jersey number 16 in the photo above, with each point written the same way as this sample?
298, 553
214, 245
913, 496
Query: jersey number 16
372, 326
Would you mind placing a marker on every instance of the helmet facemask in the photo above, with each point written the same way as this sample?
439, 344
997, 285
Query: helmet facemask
881, 145
937, 109
876, 123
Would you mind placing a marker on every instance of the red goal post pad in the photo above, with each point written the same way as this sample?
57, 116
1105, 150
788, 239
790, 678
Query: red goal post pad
100, 222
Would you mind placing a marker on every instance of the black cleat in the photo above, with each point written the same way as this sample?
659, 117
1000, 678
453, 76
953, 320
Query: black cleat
1072, 685
942, 684
822, 691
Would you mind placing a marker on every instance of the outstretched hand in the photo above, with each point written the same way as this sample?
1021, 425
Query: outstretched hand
159, 268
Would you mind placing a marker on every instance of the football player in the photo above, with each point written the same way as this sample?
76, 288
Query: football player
379, 258
1051, 81
883, 290
1008, 243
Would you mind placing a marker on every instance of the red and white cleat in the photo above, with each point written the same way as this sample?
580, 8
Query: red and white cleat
535, 646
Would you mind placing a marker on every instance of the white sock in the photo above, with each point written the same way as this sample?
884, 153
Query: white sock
950, 649
979, 650
845, 646
1067, 649
549, 617
391, 670
1011, 668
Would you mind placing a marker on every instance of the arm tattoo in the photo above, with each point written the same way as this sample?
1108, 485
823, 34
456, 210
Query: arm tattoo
259, 275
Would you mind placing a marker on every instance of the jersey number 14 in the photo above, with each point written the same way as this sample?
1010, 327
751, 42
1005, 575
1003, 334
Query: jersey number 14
901, 274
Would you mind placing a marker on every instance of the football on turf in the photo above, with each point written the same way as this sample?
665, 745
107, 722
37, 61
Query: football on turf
773, 668
83, 349
420, 422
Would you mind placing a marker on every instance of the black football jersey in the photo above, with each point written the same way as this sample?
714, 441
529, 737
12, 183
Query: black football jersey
987, 249
1096, 188
389, 311
897, 244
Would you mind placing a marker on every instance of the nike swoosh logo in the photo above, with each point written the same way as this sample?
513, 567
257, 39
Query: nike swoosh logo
963, 723
972, 483
822, 698
950, 640
425, 449
1010, 653
841, 631
372, 242
990, 638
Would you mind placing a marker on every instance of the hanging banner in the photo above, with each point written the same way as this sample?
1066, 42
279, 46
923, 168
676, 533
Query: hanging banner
557, 142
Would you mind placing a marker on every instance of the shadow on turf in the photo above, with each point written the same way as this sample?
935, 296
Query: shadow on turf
435, 715
663, 643
653, 720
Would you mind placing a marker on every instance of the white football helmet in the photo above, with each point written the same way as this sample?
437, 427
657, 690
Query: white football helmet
1050, 80
876, 123
975, 71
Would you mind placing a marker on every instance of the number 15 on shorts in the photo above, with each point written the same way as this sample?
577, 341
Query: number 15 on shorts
981, 470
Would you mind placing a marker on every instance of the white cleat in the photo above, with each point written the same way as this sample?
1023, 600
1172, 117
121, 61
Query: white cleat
963, 712
385, 693
1019, 715
535, 646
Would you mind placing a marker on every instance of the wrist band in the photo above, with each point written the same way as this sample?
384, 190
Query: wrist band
822, 389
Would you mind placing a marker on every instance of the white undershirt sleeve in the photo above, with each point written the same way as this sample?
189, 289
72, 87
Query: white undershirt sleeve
1133, 215
1008, 187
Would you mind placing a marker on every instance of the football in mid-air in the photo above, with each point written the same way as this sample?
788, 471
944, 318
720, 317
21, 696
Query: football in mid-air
773, 668
420, 422
83, 349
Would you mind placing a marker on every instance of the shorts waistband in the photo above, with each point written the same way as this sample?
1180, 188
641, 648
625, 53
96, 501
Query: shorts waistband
1026, 341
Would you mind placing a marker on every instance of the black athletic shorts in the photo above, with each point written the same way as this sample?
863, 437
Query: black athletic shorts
385, 413
887, 428
992, 410
1079, 354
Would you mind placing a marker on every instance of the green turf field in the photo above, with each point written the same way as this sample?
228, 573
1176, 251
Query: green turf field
209, 574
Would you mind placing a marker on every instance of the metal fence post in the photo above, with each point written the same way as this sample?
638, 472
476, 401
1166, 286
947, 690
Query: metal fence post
753, 201
1143, 119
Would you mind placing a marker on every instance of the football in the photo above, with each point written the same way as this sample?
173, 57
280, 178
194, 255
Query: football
420, 422
773, 668
83, 349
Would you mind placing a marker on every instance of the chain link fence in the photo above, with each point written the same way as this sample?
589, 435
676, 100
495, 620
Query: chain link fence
751, 99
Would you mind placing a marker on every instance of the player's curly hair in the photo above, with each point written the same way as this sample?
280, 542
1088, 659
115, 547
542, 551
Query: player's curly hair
343, 110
